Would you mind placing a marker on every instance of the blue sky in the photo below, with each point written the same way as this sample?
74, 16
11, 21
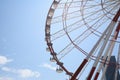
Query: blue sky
23, 53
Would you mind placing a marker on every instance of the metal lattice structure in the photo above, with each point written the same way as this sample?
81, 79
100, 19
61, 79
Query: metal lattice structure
82, 35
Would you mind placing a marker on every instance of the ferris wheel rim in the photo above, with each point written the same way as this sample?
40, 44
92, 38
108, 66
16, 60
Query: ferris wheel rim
49, 43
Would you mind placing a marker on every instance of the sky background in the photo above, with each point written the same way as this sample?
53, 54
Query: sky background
23, 53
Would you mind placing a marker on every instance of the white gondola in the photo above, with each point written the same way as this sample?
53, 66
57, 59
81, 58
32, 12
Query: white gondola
51, 12
59, 70
49, 20
47, 49
52, 59
55, 4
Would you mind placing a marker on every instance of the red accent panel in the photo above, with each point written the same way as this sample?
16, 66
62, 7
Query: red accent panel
117, 29
91, 73
116, 16
96, 76
79, 69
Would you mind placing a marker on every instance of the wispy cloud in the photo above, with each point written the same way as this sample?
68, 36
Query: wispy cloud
23, 73
4, 60
46, 65
7, 69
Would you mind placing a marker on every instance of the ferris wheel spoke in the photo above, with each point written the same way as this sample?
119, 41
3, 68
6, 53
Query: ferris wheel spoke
56, 18
77, 41
70, 15
90, 30
70, 46
90, 14
73, 27
61, 32
93, 18
107, 6
93, 29
65, 51
108, 1
69, 28
93, 21
95, 11
106, 10
113, 5
81, 38
74, 4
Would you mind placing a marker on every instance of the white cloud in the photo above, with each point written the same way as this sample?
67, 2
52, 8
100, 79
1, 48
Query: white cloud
27, 73
23, 73
46, 65
6, 78
6, 69
4, 60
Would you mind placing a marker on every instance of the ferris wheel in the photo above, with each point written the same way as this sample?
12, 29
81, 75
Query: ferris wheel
82, 35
